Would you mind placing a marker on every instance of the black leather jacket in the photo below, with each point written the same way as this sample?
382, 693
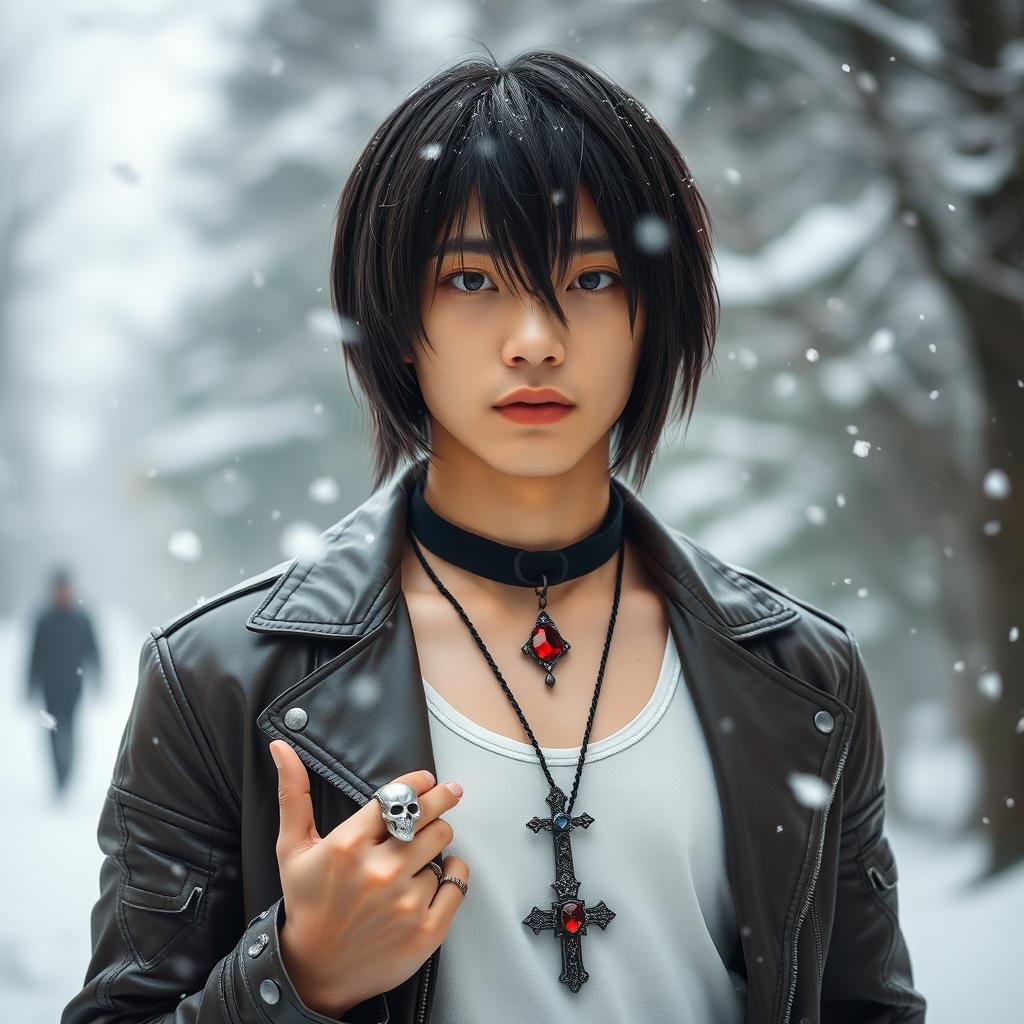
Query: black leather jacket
190, 821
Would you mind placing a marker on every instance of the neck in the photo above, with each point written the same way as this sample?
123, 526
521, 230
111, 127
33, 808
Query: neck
536, 513
532, 512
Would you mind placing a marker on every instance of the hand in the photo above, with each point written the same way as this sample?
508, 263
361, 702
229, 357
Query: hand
363, 912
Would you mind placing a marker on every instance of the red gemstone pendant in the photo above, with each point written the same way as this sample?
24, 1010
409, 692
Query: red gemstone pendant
546, 642
546, 645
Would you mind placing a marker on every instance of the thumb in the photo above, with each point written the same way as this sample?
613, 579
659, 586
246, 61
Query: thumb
298, 828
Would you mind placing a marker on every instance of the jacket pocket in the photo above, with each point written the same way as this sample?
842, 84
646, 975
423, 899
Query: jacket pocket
878, 865
879, 874
161, 894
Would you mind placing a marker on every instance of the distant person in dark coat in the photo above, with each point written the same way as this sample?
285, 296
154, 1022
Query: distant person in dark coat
63, 649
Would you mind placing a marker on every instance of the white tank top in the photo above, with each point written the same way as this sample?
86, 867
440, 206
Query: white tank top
655, 854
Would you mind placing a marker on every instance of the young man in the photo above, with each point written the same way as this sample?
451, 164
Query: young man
524, 266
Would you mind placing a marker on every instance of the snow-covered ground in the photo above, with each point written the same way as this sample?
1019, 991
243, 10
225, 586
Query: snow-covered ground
965, 943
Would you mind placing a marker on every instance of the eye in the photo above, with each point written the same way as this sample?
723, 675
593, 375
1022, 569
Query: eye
591, 274
472, 274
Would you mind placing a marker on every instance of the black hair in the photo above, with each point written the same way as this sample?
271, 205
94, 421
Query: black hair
522, 136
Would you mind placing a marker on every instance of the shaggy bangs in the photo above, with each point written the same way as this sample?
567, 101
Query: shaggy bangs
522, 137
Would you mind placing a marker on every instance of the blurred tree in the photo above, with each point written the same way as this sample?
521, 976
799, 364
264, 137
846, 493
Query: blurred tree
257, 446
942, 103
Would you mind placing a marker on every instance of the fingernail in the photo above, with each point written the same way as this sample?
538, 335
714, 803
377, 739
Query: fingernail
430, 775
455, 788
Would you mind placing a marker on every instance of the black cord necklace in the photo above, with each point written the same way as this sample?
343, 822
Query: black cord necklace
569, 915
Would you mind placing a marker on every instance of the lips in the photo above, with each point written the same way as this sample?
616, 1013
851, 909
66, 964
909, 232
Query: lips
534, 412
534, 395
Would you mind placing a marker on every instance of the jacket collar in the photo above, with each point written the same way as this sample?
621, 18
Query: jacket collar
348, 586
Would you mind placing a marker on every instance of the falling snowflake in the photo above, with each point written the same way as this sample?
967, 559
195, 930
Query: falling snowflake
185, 545
366, 692
881, 341
324, 490
349, 331
784, 384
809, 790
816, 514
990, 684
997, 484
651, 235
862, 449
302, 540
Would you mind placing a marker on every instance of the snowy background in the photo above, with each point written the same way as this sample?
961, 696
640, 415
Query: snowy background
174, 414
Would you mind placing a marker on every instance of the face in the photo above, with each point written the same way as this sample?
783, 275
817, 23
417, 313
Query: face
489, 340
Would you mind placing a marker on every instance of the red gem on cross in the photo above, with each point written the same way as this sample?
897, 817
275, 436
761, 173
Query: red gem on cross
571, 916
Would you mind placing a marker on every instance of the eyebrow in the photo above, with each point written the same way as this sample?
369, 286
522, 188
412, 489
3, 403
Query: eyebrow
484, 247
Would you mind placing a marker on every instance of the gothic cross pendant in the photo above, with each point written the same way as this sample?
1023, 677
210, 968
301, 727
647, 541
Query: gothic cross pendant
568, 916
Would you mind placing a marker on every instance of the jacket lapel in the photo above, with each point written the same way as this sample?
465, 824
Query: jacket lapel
360, 718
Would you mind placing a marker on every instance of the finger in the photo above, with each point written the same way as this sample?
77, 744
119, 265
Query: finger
432, 804
369, 821
426, 881
297, 826
448, 898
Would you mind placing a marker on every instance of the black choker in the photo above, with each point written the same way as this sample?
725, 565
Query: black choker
517, 566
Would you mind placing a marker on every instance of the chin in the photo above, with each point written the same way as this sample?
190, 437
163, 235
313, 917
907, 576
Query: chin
530, 458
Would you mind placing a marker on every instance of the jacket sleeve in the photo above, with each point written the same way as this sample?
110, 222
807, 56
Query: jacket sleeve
867, 975
169, 943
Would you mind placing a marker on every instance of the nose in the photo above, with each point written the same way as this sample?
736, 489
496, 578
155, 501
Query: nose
535, 335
